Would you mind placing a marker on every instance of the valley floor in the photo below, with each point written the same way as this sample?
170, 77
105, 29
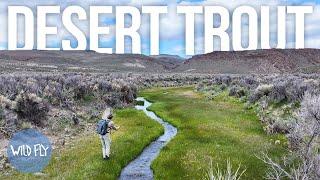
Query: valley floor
216, 130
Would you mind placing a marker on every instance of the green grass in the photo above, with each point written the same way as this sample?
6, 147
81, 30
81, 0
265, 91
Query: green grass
140, 103
84, 160
220, 129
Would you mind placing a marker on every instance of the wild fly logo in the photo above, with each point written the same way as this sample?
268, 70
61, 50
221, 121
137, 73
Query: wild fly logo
25, 150
29, 151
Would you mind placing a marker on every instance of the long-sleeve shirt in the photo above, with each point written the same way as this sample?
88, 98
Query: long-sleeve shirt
111, 125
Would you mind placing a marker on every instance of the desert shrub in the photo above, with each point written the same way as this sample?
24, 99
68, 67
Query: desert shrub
223, 87
80, 91
129, 94
8, 118
64, 89
226, 80
8, 122
6, 103
277, 92
222, 79
279, 125
307, 126
250, 81
213, 91
111, 99
304, 139
260, 91
295, 91
200, 87
103, 86
31, 108
237, 91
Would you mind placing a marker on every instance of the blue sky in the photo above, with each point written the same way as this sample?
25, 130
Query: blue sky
172, 25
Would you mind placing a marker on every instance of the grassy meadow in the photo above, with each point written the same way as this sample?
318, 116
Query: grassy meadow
84, 159
216, 130
208, 130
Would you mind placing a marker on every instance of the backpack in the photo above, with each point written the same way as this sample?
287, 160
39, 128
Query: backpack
102, 127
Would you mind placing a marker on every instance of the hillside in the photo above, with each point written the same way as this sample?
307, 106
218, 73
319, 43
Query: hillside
240, 62
169, 61
259, 61
84, 61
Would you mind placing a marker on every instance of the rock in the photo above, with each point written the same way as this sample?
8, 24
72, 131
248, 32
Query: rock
1, 165
94, 115
7, 165
39, 174
67, 130
75, 119
62, 142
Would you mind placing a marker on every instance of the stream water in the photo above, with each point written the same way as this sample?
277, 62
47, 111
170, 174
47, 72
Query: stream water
140, 168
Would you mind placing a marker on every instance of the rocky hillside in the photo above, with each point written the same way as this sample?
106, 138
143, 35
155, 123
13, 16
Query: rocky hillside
259, 61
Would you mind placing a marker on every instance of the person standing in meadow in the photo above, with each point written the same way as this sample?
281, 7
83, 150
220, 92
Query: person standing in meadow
104, 128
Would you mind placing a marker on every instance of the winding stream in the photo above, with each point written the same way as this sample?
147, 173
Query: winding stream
140, 168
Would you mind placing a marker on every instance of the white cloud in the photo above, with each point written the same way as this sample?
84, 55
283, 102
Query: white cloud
311, 43
3, 30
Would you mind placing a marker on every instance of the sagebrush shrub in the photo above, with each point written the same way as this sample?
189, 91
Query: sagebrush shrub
260, 91
31, 108
8, 122
295, 91
6, 103
304, 139
277, 92
237, 91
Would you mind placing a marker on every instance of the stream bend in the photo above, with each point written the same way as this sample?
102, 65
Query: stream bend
140, 168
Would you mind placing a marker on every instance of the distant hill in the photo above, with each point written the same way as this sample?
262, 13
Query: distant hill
239, 62
80, 61
169, 61
258, 61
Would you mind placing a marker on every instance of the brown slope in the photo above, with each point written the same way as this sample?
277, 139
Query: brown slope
259, 61
169, 61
